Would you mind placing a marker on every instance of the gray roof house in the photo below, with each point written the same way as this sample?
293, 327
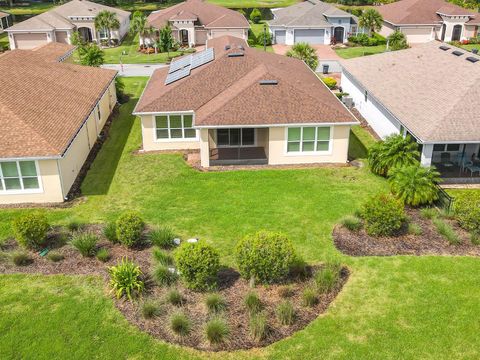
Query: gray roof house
409, 92
312, 21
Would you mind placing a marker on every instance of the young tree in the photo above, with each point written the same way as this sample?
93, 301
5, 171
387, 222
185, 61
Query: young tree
305, 52
91, 55
372, 20
107, 21
415, 185
397, 41
166, 40
256, 16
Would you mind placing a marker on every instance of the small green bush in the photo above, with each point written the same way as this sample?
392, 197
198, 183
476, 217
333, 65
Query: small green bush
216, 331
309, 297
330, 82
150, 309
174, 297
383, 215
327, 277
215, 303
103, 255
264, 39
256, 16
21, 258
446, 231
30, 230
180, 324
110, 232
467, 213
351, 223
162, 257
253, 303
414, 229
126, 279
265, 256
129, 228
85, 243
54, 256
163, 276
475, 238
285, 313
198, 264
75, 225
162, 237
429, 213
286, 291
258, 327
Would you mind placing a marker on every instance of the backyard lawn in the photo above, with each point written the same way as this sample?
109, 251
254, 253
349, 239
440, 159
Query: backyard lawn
352, 52
391, 307
469, 47
257, 29
4, 40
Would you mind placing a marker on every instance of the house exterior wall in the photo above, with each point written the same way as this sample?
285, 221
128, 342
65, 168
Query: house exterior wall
376, 115
185, 25
290, 34
386, 29
277, 148
471, 31
201, 36
62, 37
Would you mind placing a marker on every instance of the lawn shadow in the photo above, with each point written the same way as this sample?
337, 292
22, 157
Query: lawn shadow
356, 148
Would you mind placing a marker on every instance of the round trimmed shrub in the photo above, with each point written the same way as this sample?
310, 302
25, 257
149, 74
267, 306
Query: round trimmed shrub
198, 264
383, 215
30, 230
129, 228
265, 256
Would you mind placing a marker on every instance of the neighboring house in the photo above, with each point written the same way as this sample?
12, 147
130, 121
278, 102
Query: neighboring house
426, 20
313, 22
52, 114
5, 21
429, 91
193, 22
239, 105
58, 24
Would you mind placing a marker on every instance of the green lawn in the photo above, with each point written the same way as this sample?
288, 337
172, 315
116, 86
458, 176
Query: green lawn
360, 142
391, 307
239, 4
4, 40
31, 9
469, 47
352, 52
257, 29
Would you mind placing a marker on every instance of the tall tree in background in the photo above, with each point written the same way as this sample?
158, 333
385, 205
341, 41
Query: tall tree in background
372, 20
107, 21
166, 40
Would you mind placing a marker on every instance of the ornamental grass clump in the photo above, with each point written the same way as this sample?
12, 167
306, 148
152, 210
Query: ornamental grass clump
162, 237
162, 257
30, 230
252, 303
327, 277
103, 255
21, 258
180, 324
285, 313
54, 256
129, 229
110, 232
198, 264
265, 256
163, 276
216, 331
150, 309
174, 297
351, 223
258, 327
446, 231
309, 297
85, 243
215, 303
126, 279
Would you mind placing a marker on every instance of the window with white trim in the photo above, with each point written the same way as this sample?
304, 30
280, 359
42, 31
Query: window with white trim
18, 176
308, 139
174, 127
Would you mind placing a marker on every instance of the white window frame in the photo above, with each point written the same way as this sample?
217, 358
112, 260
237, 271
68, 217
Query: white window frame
445, 148
22, 190
308, 153
170, 139
241, 138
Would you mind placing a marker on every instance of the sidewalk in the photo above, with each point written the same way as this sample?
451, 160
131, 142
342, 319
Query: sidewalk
134, 69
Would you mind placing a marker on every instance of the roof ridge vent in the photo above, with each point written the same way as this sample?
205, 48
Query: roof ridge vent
236, 54
457, 53
268, 82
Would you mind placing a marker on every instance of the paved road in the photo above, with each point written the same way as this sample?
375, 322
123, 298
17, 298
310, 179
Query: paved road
134, 69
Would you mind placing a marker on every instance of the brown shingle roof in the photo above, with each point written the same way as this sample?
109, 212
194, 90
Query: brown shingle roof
432, 92
419, 12
208, 15
3, 14
55, 51
43, 103
227, 91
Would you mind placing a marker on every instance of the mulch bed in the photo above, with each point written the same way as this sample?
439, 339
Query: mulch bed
430, 242
231, 287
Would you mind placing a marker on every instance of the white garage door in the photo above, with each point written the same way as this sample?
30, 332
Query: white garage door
30, 41
311, 36
280, 36
61, 37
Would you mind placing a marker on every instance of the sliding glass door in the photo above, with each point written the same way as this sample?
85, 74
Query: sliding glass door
235, 137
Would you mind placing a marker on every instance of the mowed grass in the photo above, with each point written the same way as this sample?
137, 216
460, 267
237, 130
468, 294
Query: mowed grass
239, 4
4, 40
391, 307
357, 51
470, 47
257, 29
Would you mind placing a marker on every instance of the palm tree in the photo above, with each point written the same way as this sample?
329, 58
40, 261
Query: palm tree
395, 151
107, 21
397, 41
91, 55
166, 39
414, 184
139, 25
305, 52
372, 20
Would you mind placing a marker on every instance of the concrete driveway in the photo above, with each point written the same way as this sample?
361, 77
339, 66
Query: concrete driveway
134, 69
324, 52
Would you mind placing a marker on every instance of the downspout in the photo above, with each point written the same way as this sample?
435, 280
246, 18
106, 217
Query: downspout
61, 180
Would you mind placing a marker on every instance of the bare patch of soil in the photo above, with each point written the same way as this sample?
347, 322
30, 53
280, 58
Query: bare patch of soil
231, 287
430, 242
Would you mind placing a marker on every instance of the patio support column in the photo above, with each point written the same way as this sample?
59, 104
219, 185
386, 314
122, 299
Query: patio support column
204, 148
427, 153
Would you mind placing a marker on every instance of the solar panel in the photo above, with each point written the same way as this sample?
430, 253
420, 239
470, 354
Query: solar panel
202, 57
180, 63
177, 75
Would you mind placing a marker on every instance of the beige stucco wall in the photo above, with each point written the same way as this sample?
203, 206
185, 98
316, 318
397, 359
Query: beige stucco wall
470, 31
277, 154
150, 144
